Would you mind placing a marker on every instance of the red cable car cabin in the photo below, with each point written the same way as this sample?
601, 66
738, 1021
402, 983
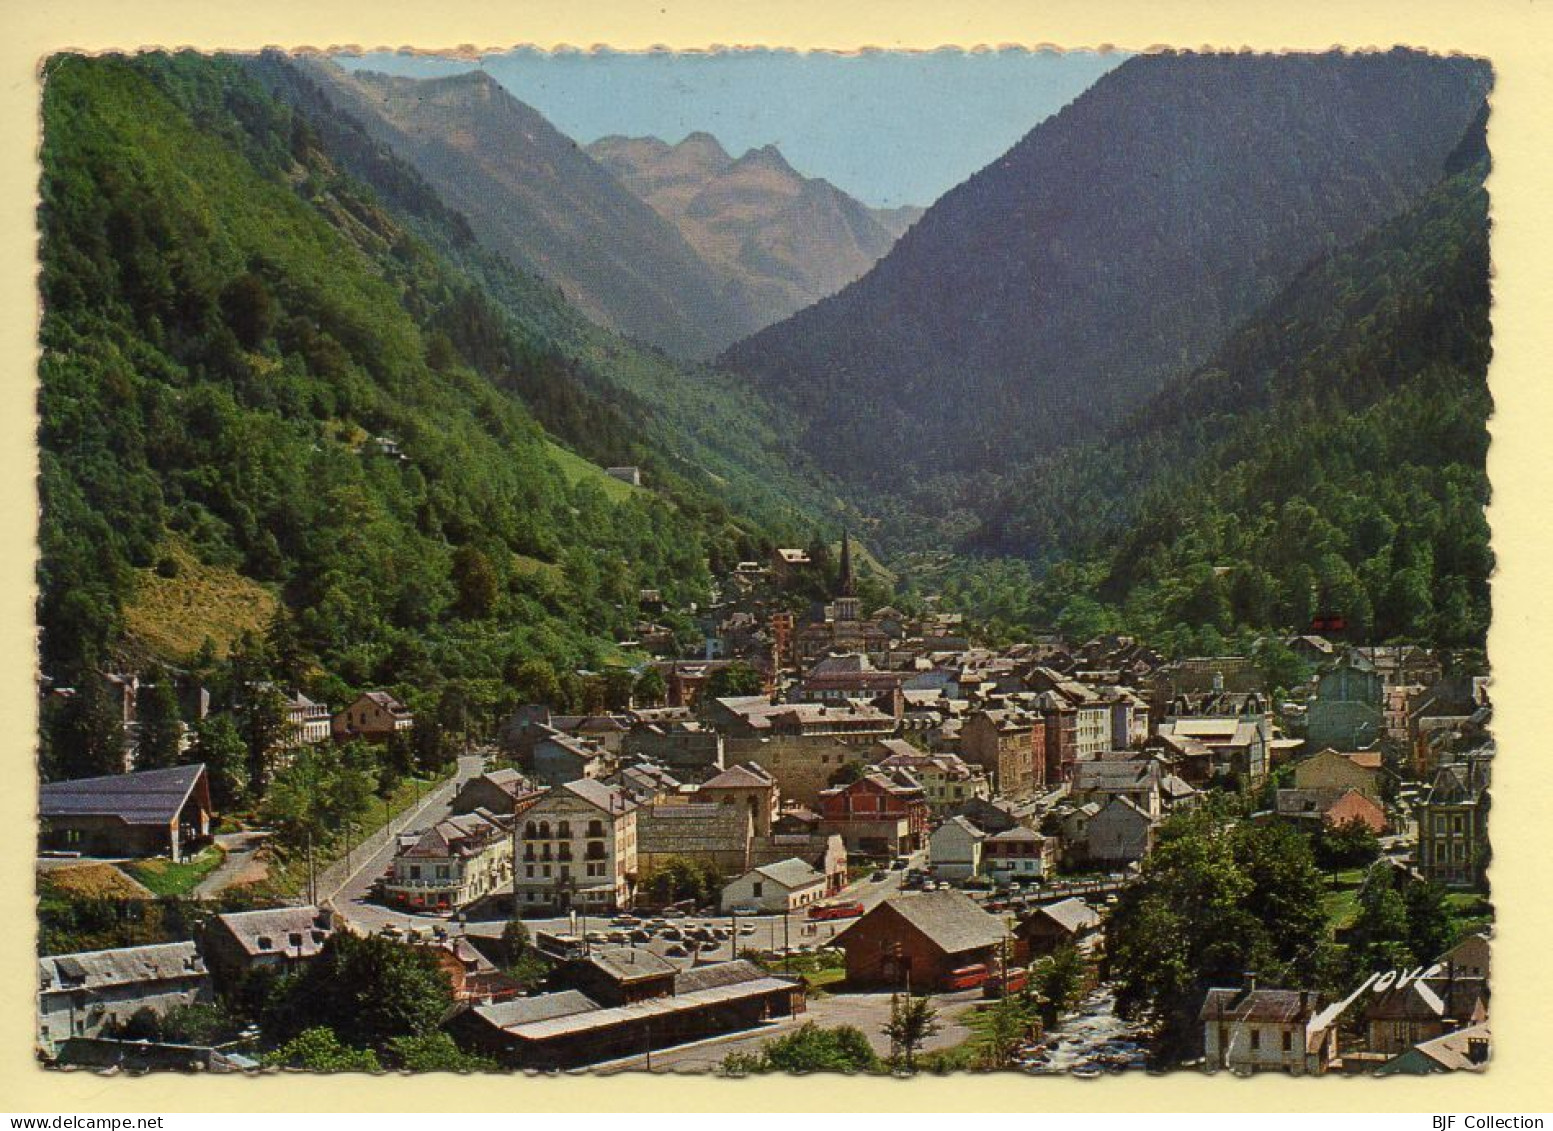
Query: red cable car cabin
966, 977
1015, 981
850, 910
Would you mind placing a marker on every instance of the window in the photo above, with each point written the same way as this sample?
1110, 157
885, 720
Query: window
547, 871
564, 852
566, 871
442, 871
759, 889
595, 828
1256, 1038
529, 871
1288, 1041
564, 830
529, 831
415, 871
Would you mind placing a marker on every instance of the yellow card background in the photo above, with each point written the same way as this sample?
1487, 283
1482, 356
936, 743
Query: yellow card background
1513, 34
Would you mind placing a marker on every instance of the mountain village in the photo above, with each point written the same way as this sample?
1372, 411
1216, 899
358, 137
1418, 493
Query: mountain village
839, 816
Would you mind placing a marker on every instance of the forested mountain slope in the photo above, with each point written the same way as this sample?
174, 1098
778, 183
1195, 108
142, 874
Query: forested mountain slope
1117, 244
252, 370
612, 399
1329, 458
535, 197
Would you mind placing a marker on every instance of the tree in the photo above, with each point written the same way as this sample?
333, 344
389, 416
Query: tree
89, 739
289, 659
514, 941
159, 737
369, 988
431, 742
320, 793
1379, 936
260, 714
809, 1048
434, 1052
619, 685
1060, 980
737, 678
200, 1023
476, 583
1279, 665
319, 1049
676, 878
1215, 899
913, 1022
1352, 844
218, 745
848, 772
249, 309
651, 688
535, 681
1432, 924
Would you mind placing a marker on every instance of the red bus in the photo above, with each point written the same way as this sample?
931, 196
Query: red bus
849, 910
1014, 981
966, 977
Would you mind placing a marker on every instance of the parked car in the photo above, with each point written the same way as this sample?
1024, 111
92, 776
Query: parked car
625, 921
677, 951
670, 933
746, 909
877, 876
640, 936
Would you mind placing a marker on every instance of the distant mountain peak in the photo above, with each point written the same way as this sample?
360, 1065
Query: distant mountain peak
767, 157
705, 144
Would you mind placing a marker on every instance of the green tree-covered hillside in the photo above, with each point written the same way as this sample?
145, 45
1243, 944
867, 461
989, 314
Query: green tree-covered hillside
250, 360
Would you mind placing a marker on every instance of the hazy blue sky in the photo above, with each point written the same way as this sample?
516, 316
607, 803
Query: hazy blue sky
889, 128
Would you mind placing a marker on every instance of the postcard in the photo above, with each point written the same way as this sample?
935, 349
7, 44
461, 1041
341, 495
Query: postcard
751, 561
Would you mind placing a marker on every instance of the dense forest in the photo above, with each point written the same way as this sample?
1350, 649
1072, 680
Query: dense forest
1329, 459
260, 383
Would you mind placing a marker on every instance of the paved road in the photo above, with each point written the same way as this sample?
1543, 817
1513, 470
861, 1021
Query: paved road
240, 849
344, 885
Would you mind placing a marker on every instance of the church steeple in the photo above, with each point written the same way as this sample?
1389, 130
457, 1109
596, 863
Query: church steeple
848, 583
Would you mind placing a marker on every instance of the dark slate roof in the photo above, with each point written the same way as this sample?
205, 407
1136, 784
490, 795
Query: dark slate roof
628, 964
600, 796
125, 966
1264, 1006
746, 776
542, 1007
147, 797
717, 974
1073, 915
269, 931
